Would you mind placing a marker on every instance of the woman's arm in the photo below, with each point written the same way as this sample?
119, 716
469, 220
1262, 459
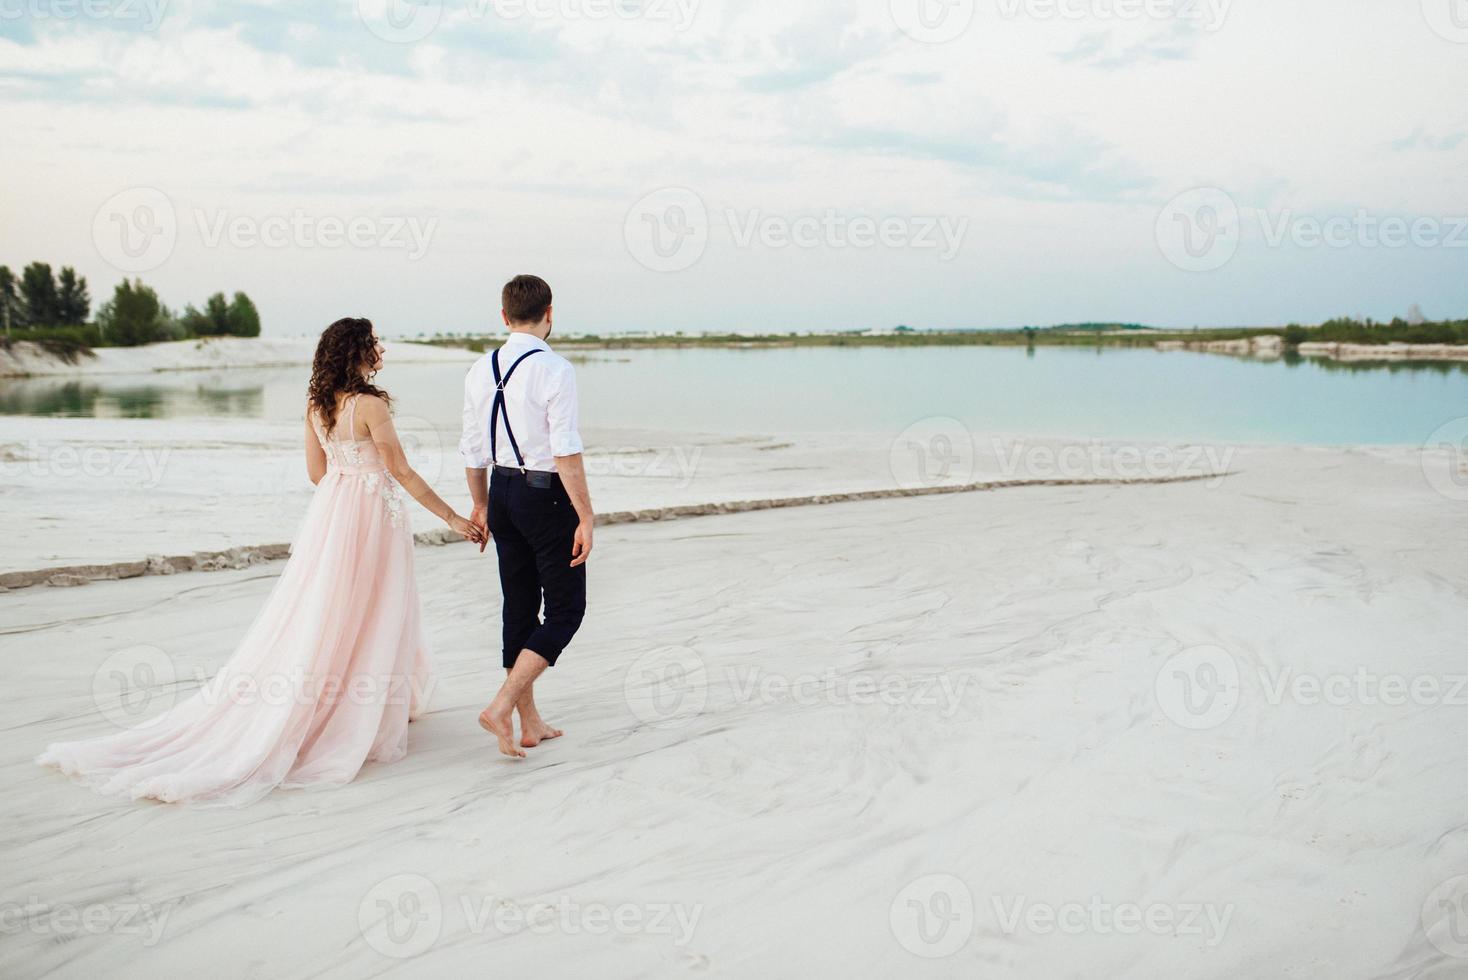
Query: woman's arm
373, 412
315, 455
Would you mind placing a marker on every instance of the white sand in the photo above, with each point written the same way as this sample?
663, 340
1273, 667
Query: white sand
792, 833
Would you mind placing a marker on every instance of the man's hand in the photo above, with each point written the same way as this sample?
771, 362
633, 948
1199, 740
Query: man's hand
581, 545
480, 517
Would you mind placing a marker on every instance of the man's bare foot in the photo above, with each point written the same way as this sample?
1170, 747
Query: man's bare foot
501, 725
535, 731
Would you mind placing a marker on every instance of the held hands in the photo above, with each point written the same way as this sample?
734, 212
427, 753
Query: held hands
581, 544
480, 516
468, 530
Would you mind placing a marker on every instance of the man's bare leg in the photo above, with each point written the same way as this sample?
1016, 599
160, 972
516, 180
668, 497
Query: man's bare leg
533, 728
498, 718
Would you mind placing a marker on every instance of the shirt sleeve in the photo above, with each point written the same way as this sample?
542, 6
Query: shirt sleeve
562, 410
472, 448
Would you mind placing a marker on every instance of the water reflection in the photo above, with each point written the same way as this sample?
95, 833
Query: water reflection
1078, 391
110, 398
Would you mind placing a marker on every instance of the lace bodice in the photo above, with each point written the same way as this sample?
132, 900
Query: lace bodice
348, 457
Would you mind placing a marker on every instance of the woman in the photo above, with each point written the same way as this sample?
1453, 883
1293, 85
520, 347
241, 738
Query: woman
335, 665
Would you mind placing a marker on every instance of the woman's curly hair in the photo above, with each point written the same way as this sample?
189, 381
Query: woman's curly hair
345, 350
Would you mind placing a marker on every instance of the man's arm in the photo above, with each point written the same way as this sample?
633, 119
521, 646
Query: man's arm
573, 477
562, 410
476, 458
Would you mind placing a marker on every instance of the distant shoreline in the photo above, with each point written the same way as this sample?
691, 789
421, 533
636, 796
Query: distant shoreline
24, 359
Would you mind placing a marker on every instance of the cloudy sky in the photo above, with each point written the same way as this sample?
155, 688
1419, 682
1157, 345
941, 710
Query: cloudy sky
726, 165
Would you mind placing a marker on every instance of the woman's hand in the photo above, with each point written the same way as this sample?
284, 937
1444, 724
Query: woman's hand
467, 529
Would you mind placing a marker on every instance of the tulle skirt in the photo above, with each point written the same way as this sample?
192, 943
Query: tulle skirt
326, 678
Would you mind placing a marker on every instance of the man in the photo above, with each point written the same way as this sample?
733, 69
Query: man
520, 420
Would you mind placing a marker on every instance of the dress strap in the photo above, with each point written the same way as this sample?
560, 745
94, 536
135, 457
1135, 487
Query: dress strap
352, 418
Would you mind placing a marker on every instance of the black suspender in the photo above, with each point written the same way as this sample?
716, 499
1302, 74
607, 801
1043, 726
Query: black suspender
498, 409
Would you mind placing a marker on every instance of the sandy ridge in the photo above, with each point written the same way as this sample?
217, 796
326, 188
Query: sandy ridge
244, 556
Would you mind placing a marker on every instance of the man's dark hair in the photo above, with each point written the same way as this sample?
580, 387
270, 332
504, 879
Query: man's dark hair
525, 299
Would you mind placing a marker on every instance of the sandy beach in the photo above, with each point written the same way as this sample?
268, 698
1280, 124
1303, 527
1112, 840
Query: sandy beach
938, 736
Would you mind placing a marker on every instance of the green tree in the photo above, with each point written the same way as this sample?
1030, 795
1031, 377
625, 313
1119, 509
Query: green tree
38, 292
73, 302
244, 319
133, 316
216, 312
1294, 335
194, 323
12, 313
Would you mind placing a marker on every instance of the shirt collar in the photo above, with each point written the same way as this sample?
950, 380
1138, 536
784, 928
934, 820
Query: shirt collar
526, 340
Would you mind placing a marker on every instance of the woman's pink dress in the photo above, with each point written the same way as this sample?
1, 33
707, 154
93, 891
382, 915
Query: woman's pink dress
326, 678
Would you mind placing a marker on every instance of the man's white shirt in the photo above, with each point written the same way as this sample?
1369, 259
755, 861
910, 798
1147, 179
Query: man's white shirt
540, 401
